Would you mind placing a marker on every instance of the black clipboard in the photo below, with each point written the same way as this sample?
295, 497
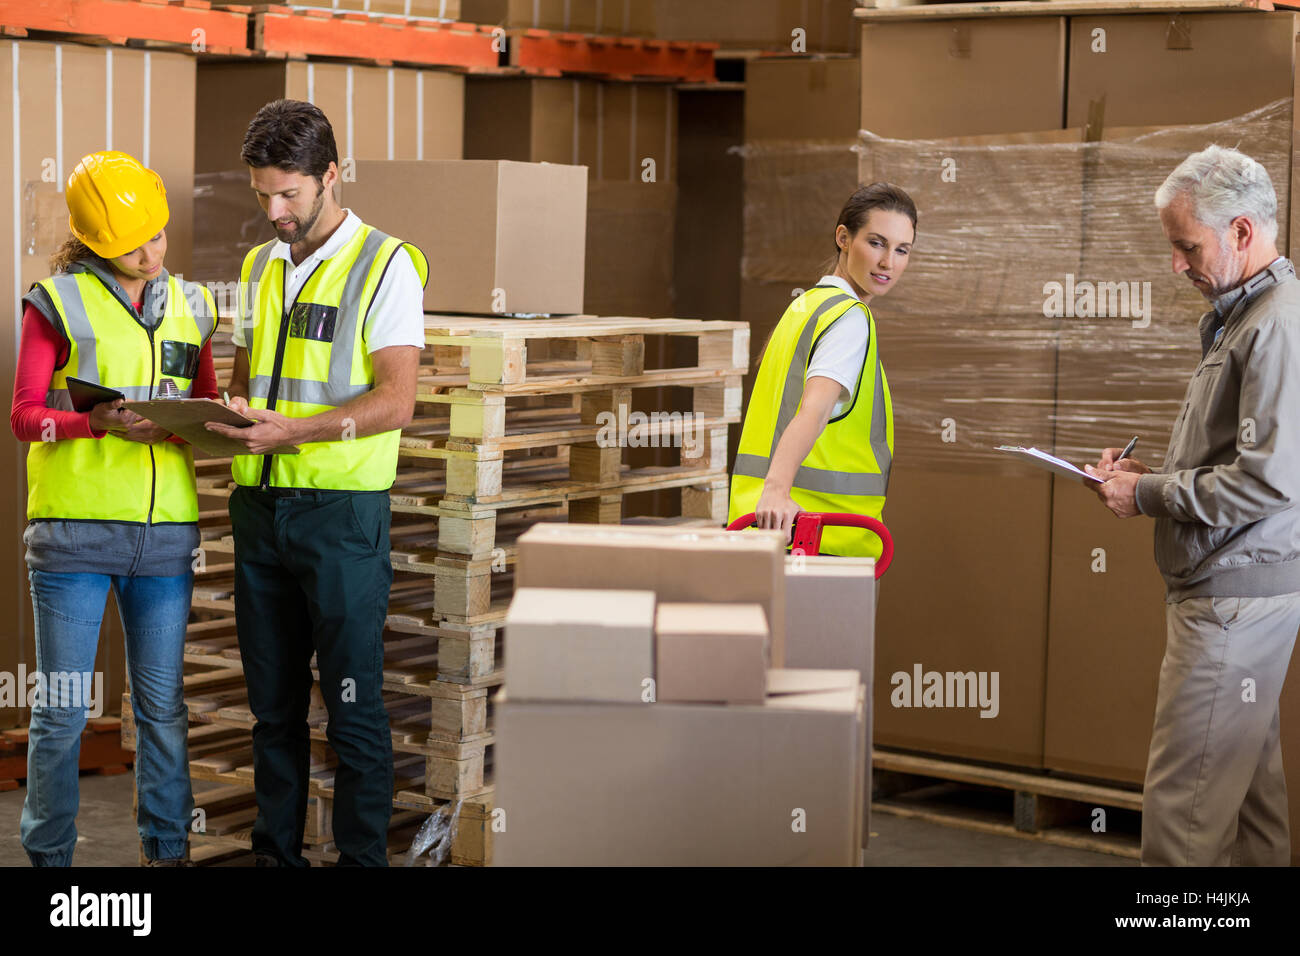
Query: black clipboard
86, 395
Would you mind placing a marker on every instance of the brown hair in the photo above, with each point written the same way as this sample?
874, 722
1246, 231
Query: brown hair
291, 135
883, 196
70, 250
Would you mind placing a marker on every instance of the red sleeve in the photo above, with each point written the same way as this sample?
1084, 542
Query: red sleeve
205, 383
41, 349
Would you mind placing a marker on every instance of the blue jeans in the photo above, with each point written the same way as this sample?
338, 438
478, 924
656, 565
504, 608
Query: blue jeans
68, 611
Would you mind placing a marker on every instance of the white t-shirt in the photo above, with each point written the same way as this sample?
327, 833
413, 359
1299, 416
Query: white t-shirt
397, 313
842, 349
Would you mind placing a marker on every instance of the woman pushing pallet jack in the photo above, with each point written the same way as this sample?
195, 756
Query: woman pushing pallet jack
818, 435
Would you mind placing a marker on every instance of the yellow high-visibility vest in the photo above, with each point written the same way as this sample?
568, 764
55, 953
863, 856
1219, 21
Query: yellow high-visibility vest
110, 478
847, 470
309, 356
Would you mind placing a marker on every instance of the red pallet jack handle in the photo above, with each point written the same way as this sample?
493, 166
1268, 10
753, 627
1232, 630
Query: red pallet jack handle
808, 527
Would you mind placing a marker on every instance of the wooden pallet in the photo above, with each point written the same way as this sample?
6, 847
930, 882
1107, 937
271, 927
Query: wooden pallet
548, 53
1007, 802
101, 751
221, 753
381, 39
171, 24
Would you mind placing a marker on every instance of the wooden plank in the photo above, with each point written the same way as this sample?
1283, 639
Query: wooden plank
1096, 794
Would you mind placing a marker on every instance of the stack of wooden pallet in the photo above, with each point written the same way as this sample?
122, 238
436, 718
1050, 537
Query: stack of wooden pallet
509, 430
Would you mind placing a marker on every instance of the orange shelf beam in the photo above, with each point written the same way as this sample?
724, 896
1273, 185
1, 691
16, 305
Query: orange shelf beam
362, 36
120, 20
626, 57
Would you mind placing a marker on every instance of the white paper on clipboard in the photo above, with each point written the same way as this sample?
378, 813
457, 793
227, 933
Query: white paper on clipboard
1057, 466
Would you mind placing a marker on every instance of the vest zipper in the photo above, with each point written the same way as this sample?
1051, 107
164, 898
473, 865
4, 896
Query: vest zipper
273, 390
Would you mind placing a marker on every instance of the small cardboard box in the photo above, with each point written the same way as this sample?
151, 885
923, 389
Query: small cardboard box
687, 565
710, 652
830, 613
501, 237
580, 644
773, 784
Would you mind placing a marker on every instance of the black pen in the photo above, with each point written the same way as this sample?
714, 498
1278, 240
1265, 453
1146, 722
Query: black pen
1128, 449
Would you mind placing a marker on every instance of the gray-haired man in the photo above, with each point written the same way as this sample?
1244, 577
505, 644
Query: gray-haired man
1227, 534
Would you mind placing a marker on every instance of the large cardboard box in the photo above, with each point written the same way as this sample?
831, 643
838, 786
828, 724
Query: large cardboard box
801, 127
1116, 377
580, 644
772, 784
519, 241
1164, 69
830, 622
681, 565
710, 652
964, 77
629, 268
622, 131
792, 99
70, 100
376, 112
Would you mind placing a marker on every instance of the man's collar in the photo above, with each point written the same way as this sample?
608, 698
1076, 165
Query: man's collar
1274, 272
346, 230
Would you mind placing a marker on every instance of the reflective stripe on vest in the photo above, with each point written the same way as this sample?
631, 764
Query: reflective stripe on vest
110, 478
859, 483
318, 372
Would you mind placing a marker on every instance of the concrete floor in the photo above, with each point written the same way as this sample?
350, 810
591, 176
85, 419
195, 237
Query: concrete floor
107, 837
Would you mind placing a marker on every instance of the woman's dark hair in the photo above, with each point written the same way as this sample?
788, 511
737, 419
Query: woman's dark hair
883, 196
291, 135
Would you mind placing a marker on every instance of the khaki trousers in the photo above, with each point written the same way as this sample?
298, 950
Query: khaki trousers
1215, 794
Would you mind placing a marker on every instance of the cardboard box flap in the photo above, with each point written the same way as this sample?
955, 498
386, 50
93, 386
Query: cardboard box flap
636, 536
579, 606
783, 681
700, 618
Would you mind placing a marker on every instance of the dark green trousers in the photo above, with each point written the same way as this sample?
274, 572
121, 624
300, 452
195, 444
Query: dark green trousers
312, 573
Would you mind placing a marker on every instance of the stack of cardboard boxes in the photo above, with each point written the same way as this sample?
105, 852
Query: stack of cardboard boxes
650, 717
1034, 146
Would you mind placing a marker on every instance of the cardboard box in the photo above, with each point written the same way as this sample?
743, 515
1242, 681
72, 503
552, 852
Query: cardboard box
580, 644
64, 111
622, 131
792, 99
1161, 70
1290, 723
830, 622
710, 652
679, 565
520, 237
791, 26
1102, 680
830, 613
629, 266
686, 784
375, 111
986, 75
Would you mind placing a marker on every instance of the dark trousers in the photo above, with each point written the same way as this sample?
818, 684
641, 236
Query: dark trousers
313, 573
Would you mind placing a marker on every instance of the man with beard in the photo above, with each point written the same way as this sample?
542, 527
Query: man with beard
1227, 528
328, 340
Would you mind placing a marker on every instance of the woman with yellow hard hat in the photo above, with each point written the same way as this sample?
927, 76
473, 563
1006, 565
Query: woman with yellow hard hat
111, 498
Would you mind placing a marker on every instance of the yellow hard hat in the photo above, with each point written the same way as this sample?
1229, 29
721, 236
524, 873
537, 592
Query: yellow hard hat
116, 205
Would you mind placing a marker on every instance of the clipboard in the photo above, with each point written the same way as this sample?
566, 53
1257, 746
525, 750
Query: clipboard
1057, 466
187, 416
